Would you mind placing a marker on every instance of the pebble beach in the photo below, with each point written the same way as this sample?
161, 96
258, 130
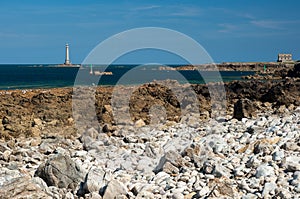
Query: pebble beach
251, 158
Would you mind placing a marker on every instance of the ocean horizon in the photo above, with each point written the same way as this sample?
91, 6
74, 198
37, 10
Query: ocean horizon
30, 76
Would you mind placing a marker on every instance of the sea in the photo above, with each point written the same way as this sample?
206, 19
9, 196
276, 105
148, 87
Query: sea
30, 76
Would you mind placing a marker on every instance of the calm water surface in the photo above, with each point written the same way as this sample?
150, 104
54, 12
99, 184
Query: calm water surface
51, 76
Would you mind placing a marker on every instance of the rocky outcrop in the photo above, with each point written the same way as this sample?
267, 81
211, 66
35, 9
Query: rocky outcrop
46, 113
234, 66
285, 92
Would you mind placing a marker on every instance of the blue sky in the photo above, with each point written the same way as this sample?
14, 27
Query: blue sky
35, 31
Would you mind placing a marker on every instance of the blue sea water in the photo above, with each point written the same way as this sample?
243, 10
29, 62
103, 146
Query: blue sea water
52, 76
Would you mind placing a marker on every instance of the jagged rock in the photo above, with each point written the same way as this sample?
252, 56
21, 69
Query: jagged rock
108, 108
222, 187
243, 108
172, 157
204, 191
170, 168
56, 104
221, 171
94, 181
91, 132
37, 121
23, 186
263, 146
131, 154
5, 155
152, 150
108, 128
192, 151
114, 189
139, 123
60, 171
5, 120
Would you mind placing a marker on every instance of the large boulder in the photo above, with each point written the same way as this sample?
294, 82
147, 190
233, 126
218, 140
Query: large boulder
60, 171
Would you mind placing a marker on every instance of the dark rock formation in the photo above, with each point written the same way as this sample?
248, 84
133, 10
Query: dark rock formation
295, 72
243, 108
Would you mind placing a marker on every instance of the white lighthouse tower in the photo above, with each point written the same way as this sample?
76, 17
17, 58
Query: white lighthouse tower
67, 60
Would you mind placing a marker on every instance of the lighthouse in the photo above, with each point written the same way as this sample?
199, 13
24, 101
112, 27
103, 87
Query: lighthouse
67, 60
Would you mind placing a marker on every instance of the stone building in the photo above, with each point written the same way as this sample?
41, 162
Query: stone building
284, 57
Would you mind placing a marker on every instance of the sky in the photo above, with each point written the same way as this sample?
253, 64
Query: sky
36, 31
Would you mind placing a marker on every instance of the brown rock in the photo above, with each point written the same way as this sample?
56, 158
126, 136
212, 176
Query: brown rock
140, 123
37, 121
170, 168
35, 132
35, 141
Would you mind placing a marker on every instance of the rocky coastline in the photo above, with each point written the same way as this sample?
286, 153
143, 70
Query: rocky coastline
271, 67
253, 152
